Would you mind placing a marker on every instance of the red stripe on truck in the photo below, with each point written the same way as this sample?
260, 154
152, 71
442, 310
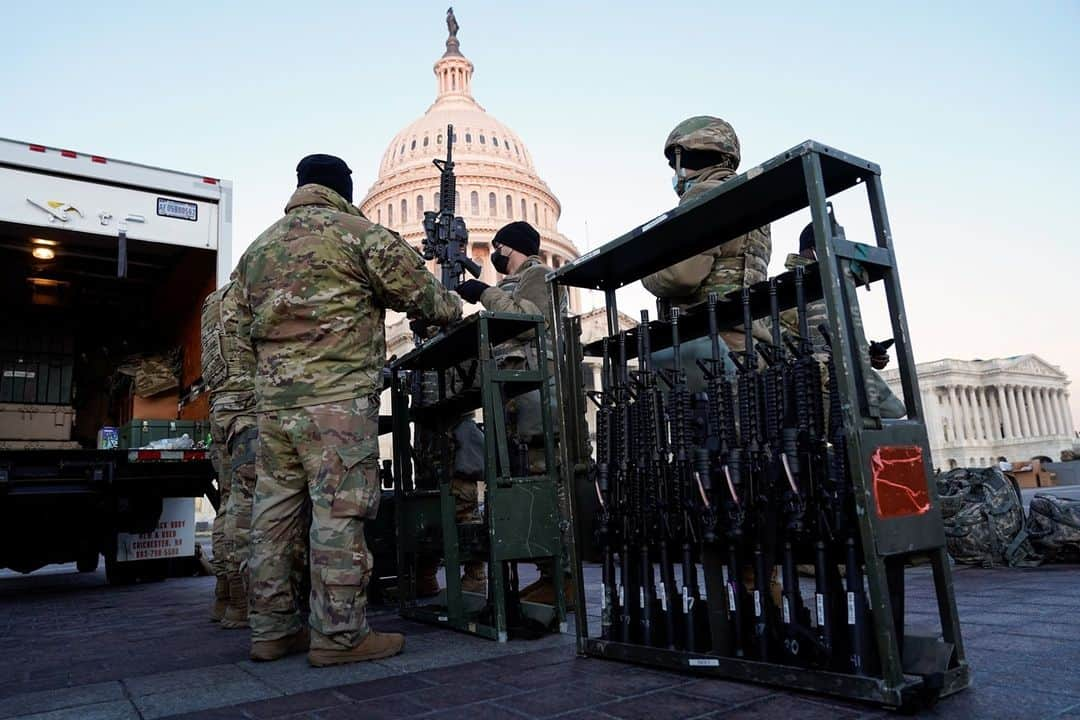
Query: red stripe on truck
37, 148
68, 153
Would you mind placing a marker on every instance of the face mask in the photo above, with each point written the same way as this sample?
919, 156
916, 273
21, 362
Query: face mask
500, 262
678, 182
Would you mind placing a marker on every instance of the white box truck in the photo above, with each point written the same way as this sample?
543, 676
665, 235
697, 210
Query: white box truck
102, 262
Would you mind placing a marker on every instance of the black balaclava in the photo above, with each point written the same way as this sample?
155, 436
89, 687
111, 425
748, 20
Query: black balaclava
326, 170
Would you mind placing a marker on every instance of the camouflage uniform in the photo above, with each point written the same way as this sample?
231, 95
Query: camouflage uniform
232, 408
315, 287
890, 406
214, 373
526, 292
228, 368
732, 265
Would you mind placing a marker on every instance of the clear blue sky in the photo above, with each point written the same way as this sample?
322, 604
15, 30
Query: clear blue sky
971, 109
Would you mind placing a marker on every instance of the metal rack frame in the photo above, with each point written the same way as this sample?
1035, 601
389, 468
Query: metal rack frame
913, 670
521, 519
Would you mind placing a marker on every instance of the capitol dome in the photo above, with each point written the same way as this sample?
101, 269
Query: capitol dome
497, 182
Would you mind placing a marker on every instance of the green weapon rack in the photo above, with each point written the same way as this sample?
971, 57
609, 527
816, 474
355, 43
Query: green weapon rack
865, 480
520, 519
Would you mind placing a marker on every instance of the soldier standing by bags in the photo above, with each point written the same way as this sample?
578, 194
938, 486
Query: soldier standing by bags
229, 368
315, 287
523, 289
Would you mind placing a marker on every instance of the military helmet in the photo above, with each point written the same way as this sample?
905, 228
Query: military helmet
705, 141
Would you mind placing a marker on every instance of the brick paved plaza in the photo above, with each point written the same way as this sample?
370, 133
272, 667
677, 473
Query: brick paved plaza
73, 647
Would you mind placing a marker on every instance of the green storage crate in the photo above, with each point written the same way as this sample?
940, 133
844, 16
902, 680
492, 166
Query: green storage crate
139, 433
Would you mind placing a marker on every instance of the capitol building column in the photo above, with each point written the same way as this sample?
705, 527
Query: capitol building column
1044, 413
1006, 419
1059, 403
982, 415
956, 431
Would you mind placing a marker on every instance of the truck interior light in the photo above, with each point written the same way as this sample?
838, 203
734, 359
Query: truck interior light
43, 253
43, 241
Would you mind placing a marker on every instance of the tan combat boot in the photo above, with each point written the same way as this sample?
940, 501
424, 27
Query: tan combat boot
374, 646
543, 592
236, 613
427, 580
474, 579
221, 599
265, 650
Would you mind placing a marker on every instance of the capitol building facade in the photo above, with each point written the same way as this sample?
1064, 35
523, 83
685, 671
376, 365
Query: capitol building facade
979, 410
497, 182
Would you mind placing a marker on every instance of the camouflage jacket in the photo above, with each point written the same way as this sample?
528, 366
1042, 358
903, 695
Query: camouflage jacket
316, 285
525, 292
228, 362
731, 266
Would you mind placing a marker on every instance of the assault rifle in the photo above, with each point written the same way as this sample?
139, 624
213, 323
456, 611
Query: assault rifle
813, 463
751, 441
445, 235
661, 507
605, 531
718, 457
786, 480
621, 453
843, 520
682, 510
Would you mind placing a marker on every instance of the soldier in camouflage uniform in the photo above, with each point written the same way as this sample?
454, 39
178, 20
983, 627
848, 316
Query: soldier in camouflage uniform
704, 152
229, 369
523, 289
315, 287
213, 373
890, 406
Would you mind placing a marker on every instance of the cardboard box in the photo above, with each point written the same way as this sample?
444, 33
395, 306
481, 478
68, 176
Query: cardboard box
20, 421
164, 406
1032, 474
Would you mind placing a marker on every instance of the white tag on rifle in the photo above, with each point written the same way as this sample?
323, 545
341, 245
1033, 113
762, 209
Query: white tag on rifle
724, 574
820, 610
641, 597
622, 597
603, 599
851, 608
757, 603
787, 612
661, 592
686, 602
731, 597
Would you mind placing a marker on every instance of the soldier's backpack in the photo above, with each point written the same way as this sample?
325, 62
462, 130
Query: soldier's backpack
984, 518
1054, 527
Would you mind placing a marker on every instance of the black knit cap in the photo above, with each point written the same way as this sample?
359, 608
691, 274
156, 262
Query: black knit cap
520, 236
806, 238
328, 171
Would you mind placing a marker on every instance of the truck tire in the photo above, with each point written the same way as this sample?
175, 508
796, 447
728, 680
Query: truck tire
87, 562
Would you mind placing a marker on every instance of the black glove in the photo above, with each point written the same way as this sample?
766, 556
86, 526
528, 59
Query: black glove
420, 328
879, 353
471, 290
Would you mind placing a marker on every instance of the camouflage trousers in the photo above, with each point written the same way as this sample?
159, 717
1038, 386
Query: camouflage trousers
219, 536
242, 447
325, 457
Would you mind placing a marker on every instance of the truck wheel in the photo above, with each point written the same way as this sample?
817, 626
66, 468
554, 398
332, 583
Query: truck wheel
87, 562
